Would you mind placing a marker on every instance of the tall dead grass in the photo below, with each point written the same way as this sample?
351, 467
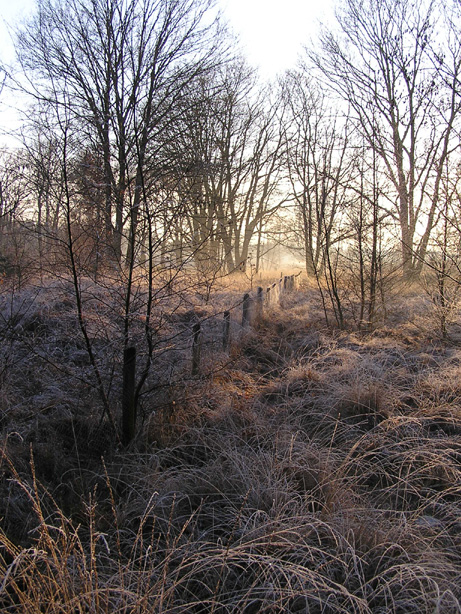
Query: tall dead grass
313, 472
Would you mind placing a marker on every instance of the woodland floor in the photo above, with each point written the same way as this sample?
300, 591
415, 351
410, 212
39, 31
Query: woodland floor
309, 470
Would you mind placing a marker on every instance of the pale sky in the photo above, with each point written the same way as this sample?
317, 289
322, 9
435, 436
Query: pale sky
271, 32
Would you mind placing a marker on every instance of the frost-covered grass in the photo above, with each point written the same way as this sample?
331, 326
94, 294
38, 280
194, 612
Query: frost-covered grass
308, 470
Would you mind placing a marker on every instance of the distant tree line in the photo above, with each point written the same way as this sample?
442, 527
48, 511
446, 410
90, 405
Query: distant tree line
150, 140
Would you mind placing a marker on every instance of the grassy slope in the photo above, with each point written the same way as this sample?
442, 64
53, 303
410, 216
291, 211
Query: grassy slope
310, 471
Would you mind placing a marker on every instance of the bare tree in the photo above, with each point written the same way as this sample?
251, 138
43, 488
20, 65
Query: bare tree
319, 156
234, 158
382, 65
13, 190
442, 271
111, 76
120, 68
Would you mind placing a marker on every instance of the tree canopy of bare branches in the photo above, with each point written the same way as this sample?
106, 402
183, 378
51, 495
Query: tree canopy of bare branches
382, 64
118, 69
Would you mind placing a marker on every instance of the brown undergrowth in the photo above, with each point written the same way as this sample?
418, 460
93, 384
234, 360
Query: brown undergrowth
306, 471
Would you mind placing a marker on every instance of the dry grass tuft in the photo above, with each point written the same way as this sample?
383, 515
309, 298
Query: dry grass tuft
308, 471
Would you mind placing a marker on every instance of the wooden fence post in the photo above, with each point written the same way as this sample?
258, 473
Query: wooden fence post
269, 296
259, 304
246, 310
226, 332
196, 348
128, 393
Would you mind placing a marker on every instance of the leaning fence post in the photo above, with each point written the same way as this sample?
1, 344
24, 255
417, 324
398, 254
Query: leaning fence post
128, 395
226, 332
246, 310
196, 348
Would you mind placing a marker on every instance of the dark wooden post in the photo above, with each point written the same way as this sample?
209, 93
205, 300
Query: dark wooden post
226, 332
170, 277
246, 310
196, 348
128, 392
259, 304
